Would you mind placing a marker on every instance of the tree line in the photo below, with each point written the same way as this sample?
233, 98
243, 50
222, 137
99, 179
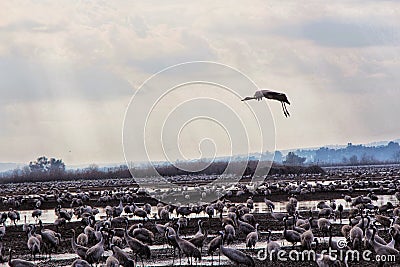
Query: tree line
46, 169
351, 155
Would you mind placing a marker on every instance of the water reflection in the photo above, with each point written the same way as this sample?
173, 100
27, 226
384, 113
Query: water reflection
49, 216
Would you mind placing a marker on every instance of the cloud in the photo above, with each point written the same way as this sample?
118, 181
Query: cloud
90, 130
337, 62
188, 47
336, 32
31, 26
24, 80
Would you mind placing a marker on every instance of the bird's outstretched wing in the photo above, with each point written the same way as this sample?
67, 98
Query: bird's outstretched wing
260, 94
273, 95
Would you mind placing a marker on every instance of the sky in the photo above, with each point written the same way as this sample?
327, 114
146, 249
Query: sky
68, 70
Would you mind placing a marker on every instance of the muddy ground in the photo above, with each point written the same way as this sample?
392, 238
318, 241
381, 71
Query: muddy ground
16, 239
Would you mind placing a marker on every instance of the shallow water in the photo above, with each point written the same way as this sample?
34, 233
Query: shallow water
49, 216
260, 207
206, 260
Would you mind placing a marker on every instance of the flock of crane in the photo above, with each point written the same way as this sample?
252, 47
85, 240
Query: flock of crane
129, 232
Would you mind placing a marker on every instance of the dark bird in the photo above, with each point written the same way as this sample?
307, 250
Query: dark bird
19, 263
236, 256
281, 97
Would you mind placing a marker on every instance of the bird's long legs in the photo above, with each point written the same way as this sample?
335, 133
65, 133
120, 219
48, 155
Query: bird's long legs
285, 111
283, 108
173, 257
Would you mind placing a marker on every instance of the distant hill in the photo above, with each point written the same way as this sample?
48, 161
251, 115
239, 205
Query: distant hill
382, 143
8, 166
377, 152
331, 154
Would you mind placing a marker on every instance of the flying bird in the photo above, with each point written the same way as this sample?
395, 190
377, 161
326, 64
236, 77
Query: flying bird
271, 95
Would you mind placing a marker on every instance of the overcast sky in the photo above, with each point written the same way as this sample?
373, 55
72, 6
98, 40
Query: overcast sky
69, 68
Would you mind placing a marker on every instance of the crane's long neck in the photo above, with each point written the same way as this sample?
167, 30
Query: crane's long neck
73, 243
392, 243
30, 232
375, 244
285, 230
249, 98
126, 235
177, 238
200, 231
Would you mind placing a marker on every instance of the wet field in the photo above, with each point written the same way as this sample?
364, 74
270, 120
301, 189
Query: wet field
332, 187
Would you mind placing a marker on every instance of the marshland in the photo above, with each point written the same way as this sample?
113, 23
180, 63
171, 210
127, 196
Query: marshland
96, 222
